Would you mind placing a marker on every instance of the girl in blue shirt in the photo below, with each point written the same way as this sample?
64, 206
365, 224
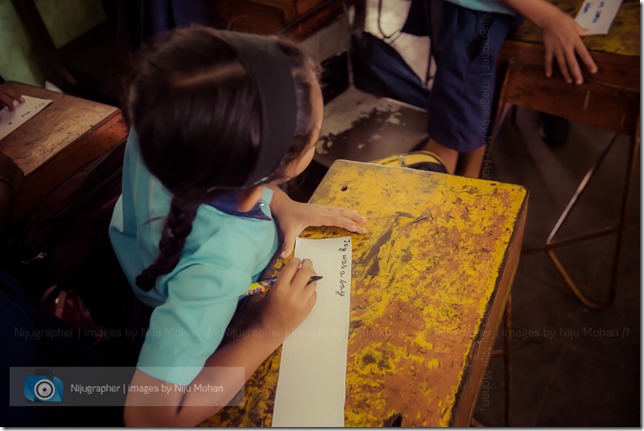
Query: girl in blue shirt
219, 119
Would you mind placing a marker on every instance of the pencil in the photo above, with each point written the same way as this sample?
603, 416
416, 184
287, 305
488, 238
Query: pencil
262, 286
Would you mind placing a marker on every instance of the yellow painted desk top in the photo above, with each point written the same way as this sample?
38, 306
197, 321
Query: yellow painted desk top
428, 288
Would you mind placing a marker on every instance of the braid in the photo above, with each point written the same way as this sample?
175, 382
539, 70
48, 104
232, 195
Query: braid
177, 227
196, 110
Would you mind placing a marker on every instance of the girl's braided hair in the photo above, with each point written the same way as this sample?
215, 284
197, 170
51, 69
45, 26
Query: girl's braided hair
197, 116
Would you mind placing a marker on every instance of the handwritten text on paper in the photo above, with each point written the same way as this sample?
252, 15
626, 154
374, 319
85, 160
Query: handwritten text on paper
311, 384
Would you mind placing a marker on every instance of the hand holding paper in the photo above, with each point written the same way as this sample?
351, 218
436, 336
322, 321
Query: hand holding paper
10, 121
294, 217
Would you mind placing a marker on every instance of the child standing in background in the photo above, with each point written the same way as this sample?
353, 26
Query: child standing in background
219, 119
466, 38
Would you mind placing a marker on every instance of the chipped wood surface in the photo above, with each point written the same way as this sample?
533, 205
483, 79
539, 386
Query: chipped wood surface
429, 283
57, 141
593, 102
363, 127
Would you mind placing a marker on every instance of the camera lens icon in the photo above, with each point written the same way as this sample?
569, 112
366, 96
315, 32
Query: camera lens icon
45, 389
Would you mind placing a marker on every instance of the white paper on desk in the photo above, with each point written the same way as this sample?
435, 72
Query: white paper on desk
10, 121
312, 377
596, 16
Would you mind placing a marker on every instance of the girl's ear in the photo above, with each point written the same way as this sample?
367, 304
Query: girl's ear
246, 199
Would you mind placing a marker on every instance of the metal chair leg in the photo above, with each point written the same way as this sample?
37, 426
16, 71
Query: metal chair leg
551, 243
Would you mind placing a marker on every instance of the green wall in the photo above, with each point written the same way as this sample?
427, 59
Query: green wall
65, 19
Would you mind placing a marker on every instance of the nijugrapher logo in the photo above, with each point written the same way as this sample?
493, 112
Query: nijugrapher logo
43, 387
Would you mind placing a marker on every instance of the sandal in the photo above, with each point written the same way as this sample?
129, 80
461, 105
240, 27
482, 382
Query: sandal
422, 160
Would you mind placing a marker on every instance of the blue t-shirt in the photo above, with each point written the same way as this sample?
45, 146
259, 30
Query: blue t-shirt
484, 5
224, 253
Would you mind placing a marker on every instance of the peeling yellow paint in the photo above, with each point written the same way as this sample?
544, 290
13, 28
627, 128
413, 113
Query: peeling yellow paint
422, 281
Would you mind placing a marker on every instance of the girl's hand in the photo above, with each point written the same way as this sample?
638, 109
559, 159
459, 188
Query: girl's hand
290, 299
8, 95
294, 217
562, 41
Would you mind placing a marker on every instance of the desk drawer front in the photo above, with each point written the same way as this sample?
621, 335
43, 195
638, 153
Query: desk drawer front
592, 103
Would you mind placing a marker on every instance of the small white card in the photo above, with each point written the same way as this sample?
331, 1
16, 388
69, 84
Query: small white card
311, 387
10, 121
596, 16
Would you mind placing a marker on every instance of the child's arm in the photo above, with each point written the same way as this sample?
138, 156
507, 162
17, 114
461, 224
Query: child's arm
561, 37
293, 217
286, 305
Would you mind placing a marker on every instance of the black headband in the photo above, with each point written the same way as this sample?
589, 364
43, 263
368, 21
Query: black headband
269, 69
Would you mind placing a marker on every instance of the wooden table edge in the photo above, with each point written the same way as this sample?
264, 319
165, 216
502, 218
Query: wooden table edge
479, 356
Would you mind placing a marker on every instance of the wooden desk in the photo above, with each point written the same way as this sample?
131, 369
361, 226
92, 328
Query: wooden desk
362, 127
57, 141
609, 99
429, 285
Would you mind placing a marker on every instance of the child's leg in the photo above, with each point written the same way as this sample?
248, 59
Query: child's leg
465, 45
471, 163
447, 155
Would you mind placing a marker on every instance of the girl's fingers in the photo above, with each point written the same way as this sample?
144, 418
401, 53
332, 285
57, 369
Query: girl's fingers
289, 243
345, 223
355, 221
349, 224
573, 65
353, 215
548, 67
13, 94
304, 274
339, 217
289, 271
548, 60
563, 67
583, 53
318, 215
6, 101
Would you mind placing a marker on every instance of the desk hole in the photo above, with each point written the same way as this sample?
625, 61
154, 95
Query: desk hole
394, 421
344, 188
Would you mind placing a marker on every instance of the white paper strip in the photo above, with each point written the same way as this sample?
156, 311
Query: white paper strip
596, 16
10, 121
311, 383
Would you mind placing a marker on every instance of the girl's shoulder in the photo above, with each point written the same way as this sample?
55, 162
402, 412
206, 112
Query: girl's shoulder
231, 241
